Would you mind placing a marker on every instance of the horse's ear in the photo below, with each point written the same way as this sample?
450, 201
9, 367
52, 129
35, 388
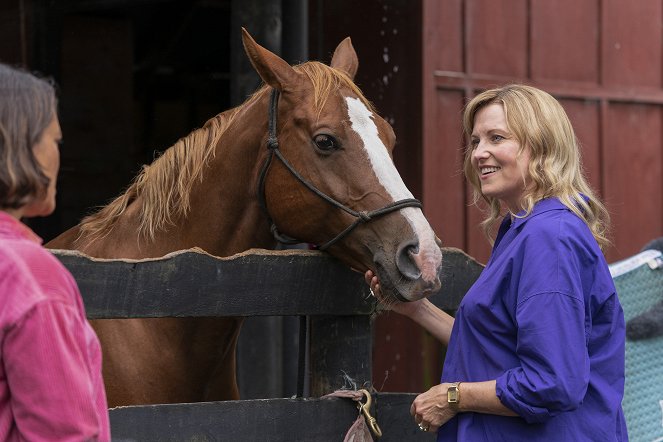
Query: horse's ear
274, 71
345, 58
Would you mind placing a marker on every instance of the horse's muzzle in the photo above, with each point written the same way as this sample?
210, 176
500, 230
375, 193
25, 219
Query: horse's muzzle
411, 277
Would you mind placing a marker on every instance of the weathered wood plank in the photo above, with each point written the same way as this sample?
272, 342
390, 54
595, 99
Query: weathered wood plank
194, 284
191, 283
392, 411
459, 271
339, 345
274, 420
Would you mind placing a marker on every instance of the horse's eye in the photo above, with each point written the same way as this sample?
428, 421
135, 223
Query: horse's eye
325, 142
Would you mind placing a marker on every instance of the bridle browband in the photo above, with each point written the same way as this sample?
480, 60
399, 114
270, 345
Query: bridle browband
361, 216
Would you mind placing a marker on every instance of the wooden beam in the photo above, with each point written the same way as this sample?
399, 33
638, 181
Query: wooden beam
459, 271
191, 283
275, 420
194, 284
559, 88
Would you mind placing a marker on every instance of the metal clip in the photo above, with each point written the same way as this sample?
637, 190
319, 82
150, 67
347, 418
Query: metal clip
655, 263
366, 409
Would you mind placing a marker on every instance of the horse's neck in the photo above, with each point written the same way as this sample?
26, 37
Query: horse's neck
226, 219
225, 212
224, 216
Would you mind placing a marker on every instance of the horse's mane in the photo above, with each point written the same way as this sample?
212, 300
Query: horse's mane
164, 186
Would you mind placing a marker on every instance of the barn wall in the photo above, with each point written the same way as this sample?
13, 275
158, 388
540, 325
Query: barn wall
132, 76
98, 155
600, 58
386, 36
15, 26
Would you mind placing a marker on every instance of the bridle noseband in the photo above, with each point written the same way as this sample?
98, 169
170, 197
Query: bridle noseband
362, 217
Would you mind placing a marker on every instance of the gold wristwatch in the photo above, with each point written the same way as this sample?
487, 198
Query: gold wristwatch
453, 395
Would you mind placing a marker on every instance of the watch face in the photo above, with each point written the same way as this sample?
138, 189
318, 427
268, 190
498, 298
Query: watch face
452, 394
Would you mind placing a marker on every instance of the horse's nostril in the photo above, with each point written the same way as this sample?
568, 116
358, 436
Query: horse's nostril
405, 262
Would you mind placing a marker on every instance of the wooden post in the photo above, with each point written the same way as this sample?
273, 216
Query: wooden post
339, 346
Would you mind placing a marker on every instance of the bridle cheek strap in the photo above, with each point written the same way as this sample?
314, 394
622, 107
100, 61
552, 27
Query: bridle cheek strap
362, 217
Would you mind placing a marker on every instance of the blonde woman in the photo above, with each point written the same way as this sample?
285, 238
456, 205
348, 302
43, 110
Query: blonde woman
536, 349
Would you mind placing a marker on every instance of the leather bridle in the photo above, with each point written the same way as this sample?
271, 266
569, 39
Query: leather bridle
362, 217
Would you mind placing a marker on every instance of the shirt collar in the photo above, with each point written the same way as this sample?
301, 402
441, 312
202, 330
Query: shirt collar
542, 206
10, 226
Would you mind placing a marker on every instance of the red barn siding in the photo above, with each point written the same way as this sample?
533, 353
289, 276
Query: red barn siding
631, 51
632, 174
443, 184
601, 59
496, 30
557, 26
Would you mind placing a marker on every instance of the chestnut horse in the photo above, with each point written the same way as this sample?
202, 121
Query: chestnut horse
306, 156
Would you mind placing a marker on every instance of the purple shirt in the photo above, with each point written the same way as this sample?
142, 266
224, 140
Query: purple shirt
51, 386
544, 321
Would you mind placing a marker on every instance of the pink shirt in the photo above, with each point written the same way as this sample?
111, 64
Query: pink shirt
51, 386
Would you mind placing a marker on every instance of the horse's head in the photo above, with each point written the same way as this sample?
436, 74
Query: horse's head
330, 136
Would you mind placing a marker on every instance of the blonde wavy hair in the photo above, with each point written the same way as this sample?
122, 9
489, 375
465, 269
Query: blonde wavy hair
165, 185
539, 123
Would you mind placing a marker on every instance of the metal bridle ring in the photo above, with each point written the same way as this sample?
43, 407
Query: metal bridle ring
422, 428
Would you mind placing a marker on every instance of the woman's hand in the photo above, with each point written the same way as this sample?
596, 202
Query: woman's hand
431, 410
404, 308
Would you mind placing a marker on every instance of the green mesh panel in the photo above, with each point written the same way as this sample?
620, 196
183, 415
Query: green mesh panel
639, 289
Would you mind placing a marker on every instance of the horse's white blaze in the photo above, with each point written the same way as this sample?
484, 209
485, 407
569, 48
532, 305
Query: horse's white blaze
363, 124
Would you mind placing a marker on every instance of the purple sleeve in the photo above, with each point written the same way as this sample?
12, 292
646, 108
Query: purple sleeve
45, 359
553, 374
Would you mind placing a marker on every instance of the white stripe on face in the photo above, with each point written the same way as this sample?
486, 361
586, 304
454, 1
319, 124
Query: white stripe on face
362, 122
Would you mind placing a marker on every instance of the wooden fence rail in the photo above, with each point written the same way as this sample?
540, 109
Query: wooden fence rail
192, 283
